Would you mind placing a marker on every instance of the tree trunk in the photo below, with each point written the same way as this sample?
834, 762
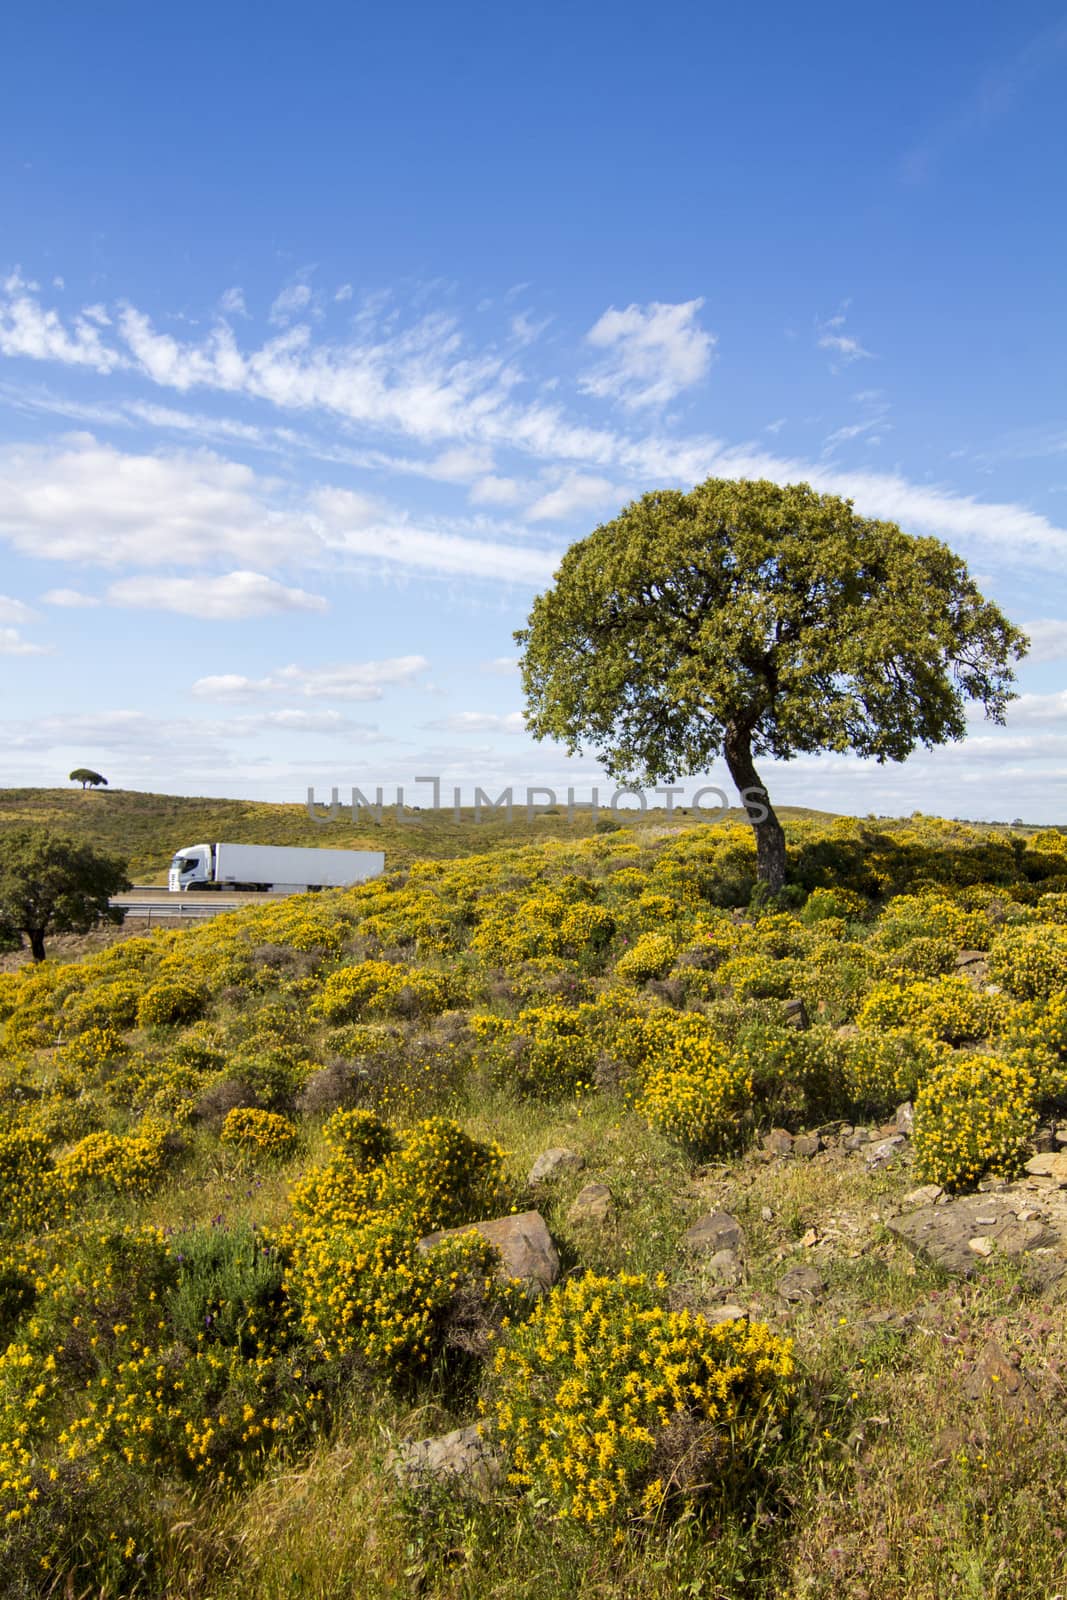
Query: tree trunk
770, 839
36, 938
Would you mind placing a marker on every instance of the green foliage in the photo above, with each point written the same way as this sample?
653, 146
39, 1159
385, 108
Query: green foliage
87, 778
746, 618
50, 883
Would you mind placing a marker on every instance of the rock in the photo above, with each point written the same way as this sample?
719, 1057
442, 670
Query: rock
996, 1373
552, 1164
725, 1267
462, 1458
848, 1030
801, 1286
967, 958
858, 1139
1050, 1164
727, 1313
943, 1232
523, 1242
905, 1118
796, 1014
806, 1145
592, 1204
876, 1155
766, 1213
717, 1231
778, 1142
924, 1196
1044, 1141
982, 1245
1061, 1137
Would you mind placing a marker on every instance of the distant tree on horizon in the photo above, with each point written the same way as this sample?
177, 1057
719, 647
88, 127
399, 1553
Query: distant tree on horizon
87, 777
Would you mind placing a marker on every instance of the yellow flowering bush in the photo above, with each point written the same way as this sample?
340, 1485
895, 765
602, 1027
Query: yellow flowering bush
382, 988
603, 1391
882, 1068
131, 1163
1030, 962
973, 1116
1036, 1039
358, 1274
946, 1008
259, 1133
170, 1000
90, 1050
701, 1102
651, 956
546, 1051
26, 1185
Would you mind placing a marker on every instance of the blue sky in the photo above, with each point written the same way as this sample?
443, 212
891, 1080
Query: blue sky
323, 331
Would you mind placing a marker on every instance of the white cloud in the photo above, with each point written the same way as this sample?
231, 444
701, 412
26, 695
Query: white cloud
13, 644
502, 666
579, 491
12, 610
233, 302
481, 722
72, 599
1048, 639
221, 599
84, 501
655, 352
1037, 708
26, 329
359, 680
461, 464
494, 491
290, 303
344, 292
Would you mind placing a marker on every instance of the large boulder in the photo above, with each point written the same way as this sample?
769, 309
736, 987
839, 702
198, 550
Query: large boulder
552, 1164
592, 1205
958, 1235
523, 1243
717, 1231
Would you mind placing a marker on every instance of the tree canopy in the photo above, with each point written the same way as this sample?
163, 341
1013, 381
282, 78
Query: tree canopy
50, 883
747, 619
87, 778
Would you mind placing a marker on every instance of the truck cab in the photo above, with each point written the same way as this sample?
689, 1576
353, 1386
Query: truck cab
191, 868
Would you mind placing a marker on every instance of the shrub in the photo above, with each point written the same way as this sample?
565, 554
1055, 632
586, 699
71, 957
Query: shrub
946, 1008
170, 1000
548, 1051
694, 1090
973, 1116
125, 1164
651, 956
259, 1133
603, 1394
26, 1191
884, 1068
1036, 1038
380, 988
1030, 962
796, 1076
360, 1137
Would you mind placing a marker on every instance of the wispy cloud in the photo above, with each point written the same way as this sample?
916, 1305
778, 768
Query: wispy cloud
1048, 639
653, 353
481, 722
12, 610
71, 599
845, 347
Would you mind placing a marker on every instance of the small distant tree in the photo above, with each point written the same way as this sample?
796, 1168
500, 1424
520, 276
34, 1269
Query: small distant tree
87, 778
750, 619
50, 883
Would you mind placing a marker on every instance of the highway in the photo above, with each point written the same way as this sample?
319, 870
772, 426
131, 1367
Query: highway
152, 903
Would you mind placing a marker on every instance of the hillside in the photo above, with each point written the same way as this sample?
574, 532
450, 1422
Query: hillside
146, 829
793, 1170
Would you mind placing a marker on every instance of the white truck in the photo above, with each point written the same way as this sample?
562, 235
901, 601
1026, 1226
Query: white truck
269, 867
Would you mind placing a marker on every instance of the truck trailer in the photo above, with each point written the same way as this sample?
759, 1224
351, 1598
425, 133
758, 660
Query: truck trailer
269, 867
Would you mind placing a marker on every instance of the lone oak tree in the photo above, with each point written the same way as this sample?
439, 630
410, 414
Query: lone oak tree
53, 884
748, 619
